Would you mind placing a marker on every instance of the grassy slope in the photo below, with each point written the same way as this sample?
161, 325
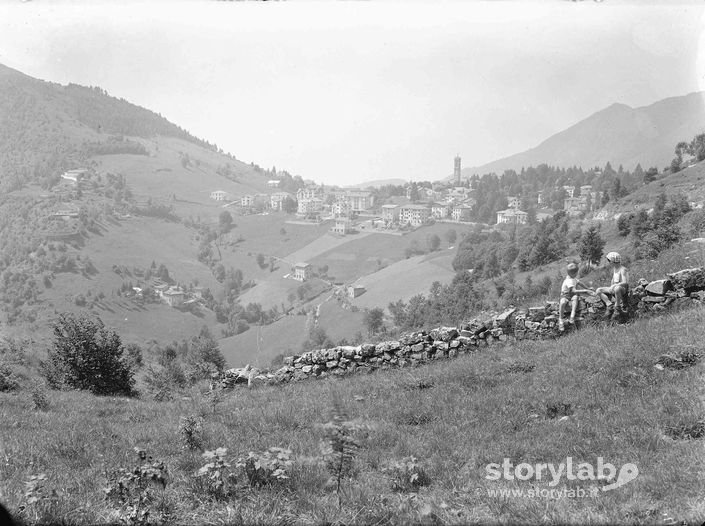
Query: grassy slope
689, 182
418, 273
455, 417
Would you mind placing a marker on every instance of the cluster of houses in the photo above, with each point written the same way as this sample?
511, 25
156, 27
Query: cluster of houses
430, 203
172, 295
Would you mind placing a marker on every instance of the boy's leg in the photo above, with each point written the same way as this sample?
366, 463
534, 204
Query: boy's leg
602, 293
574, 308
561, 307
606, 296
620, 299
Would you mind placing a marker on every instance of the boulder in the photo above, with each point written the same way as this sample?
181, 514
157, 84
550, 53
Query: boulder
690, 279
504, 319
659, 287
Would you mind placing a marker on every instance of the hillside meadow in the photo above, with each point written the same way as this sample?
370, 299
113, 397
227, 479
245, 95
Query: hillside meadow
595, 393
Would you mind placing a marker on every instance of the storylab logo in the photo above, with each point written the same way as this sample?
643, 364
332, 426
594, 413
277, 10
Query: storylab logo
568, 470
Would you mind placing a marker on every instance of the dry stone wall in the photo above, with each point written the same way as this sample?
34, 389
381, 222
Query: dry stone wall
541, 322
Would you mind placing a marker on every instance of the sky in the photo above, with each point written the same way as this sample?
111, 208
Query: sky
349, 92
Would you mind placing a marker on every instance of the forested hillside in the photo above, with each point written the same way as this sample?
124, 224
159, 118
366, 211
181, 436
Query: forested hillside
46, 128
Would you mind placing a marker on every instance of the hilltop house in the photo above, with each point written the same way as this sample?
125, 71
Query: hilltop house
390, 214
248, 201
302, 271
514, 201
276, 200
174, 296
415, 215
73, 176
341, 208
219, 195
355, 290
462, 212
512, 215
308, 206
342, 226
273, 183
359, 200
440, 211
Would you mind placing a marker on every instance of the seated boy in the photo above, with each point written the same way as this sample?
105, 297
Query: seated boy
570, 294
618, 289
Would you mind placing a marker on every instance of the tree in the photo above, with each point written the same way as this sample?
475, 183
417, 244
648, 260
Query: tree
697, 147
434, 242
591, 245
650, 175
260, 260
373, 320
225, 220
451, 236
204, 349
86, 355
289, 205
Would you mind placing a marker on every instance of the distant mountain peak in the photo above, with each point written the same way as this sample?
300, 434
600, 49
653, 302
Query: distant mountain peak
618, 134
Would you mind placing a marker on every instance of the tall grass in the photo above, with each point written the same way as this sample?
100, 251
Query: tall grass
593, 393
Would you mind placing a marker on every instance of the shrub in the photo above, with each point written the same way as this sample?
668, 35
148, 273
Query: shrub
8, 378
39, 398
40, 502
88, 356
216, 475
267, 467
161, 381
134, 490
407, 475
191, 430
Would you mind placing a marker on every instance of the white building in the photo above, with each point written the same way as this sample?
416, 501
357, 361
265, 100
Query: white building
415, 215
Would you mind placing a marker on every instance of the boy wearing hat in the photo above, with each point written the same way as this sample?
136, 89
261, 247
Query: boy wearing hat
570, 294
618, 289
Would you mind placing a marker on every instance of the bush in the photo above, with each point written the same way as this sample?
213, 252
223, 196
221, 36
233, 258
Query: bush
8, 378
267, 467
88, 356
407, 475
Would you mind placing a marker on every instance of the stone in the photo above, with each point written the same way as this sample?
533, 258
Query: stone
690, 279
367, 349
454, 344
659, 287
307, 369
349, 351
444, 333
332, 364
504, 319
386, 356
440, 345
653, 299
289, 360
699, 295
537, 314
452, 353
416, 348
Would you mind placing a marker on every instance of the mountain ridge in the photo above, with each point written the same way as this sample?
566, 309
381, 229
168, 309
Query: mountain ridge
618, 134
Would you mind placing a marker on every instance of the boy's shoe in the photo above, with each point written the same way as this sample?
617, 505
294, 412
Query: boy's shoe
608, 313
561, 325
